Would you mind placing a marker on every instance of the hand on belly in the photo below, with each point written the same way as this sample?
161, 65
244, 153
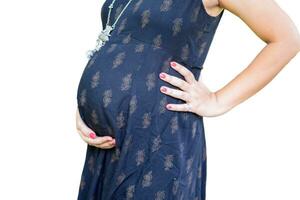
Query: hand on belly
88, 135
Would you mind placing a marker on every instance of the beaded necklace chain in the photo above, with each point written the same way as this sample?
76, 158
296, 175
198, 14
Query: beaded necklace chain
103, 37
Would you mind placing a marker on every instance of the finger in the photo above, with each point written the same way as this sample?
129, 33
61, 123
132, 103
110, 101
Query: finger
179, 94
97, 140
79, 121
87, 132
178, 82
83, 137
180, 107
185, 72
106, 145
80, 125
88, 135
102, 140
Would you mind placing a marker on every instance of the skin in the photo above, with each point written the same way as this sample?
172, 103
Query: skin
104, 142
282, 40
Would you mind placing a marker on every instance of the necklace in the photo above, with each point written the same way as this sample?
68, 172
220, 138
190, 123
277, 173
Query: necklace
103, 37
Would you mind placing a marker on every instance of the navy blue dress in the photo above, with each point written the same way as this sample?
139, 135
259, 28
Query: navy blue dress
159, 154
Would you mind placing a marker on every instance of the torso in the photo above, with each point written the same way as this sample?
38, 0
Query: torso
159, 154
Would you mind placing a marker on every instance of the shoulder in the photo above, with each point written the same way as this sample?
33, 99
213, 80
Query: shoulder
212, 7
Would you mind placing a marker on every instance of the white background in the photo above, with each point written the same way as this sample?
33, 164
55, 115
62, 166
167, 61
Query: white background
253, 150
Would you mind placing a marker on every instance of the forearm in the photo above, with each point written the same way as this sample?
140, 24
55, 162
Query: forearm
263, 68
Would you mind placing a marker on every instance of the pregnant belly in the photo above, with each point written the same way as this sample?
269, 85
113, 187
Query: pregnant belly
119, 90
120, 83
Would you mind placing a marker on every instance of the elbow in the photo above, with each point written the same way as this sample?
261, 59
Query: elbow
294, 37
297, 45
294, 43
290, 41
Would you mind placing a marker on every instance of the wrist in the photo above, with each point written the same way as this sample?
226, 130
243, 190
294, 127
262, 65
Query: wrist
222, 105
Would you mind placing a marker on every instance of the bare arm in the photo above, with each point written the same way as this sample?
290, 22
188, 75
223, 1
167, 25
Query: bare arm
271, 24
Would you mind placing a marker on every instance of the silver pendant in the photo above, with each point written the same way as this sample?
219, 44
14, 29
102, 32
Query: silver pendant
103, 37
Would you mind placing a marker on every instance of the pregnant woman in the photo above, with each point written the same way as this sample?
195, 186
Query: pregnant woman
141, 102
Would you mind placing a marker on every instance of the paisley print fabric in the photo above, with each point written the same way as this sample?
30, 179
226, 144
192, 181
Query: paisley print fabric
159, 154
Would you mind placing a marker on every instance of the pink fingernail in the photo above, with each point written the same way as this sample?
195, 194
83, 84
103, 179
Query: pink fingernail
163, 89
162, 75
173, 64
92, 135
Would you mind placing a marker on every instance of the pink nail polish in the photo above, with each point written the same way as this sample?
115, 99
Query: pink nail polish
173, 64
92, 135
162, 75
169, 106
163, 89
